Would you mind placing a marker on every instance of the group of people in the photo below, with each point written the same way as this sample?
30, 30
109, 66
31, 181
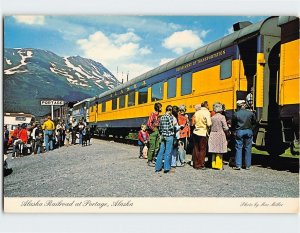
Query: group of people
167, 137
40, 138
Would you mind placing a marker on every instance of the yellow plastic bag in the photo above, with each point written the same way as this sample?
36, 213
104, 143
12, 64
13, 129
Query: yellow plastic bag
217, 161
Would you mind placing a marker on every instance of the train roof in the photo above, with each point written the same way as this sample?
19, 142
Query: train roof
82, 101
252, 29
285, 19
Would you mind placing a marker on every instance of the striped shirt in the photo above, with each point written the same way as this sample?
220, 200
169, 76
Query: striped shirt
166, 127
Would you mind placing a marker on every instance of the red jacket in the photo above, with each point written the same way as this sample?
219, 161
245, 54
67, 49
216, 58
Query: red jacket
140, 136
153, 121
23, 135
16, 133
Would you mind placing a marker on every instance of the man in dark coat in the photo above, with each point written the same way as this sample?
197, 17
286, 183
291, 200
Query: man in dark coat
243, 122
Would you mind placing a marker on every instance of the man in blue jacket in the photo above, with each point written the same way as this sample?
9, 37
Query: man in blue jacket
243, 122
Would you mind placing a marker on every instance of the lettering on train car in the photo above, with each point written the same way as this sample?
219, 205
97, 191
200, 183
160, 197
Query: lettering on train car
201, 60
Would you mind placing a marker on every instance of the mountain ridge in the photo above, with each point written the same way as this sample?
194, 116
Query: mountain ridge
31, 75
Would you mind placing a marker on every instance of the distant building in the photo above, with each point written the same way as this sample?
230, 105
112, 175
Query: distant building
12, 120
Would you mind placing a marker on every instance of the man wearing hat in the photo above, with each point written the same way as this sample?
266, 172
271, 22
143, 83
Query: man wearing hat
243, 122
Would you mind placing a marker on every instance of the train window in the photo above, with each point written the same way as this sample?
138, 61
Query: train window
172, 87
157, 91
226, 67
114, 104
131, 98
143, 95
104, 107
122, 101
186, 83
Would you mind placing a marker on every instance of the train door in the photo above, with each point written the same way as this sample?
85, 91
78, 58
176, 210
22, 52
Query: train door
260, 57
248, 56
273, 135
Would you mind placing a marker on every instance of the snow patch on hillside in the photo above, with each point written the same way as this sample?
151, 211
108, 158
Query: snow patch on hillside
69, 77
8, 61
24, 55
78, 69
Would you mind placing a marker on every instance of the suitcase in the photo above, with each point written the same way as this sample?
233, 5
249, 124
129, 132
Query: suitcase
217, 161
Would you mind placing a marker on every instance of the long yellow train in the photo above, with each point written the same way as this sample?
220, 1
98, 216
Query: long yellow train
264, 56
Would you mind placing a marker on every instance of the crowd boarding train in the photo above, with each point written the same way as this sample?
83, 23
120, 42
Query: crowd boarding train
263, 55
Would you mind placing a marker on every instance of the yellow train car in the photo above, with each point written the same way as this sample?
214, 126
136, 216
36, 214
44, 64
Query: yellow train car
224, 71
288, 84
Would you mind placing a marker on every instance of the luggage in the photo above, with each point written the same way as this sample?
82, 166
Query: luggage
217, 161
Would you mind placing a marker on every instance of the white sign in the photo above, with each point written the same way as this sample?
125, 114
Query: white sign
52, 102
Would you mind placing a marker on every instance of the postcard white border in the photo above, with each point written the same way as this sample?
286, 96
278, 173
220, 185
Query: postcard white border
144, 223
150, 205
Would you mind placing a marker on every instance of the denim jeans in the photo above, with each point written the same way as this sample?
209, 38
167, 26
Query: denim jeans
164, 150
80, 138
174, 156
38, 150
180, 157
244, 139
48, 142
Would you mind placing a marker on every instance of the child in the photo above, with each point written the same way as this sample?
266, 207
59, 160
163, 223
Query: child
143, 140
180, 154
39, 143
88, 133
58, 132
68, 137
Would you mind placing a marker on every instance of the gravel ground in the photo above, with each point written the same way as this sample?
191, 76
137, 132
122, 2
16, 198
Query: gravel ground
110, 169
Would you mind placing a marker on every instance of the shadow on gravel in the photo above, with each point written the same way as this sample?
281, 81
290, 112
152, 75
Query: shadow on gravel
275, 163
6, 170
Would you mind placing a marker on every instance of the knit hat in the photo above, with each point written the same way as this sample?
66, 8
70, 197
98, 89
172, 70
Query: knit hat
218, 107
240, 103
182, 107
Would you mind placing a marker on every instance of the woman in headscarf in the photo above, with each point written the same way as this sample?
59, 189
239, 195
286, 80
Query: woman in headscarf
217, 143
183, 120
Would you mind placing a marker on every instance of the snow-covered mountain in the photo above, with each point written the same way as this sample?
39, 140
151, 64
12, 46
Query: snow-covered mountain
34, 74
